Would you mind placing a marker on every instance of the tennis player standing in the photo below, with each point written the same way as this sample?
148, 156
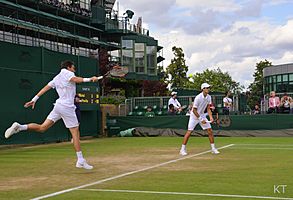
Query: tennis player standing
65, 85
197, 115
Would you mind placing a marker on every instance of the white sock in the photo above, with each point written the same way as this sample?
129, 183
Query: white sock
79, 156
183, 147
213, 146
23, 127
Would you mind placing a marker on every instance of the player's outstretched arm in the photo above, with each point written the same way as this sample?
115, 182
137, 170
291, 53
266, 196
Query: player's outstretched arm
34, 100
76, 79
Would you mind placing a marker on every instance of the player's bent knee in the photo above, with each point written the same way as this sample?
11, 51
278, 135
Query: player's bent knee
42, 129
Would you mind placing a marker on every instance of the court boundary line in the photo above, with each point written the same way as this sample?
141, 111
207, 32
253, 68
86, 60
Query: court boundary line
126, 174
187, 194
280, 145
262, 148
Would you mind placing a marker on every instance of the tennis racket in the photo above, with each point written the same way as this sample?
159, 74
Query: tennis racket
224, 121
117, 71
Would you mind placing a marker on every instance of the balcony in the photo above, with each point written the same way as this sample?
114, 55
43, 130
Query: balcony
123, 24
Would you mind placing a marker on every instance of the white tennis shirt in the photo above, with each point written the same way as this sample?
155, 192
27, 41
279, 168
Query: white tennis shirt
66, 90
175, 103
201, 102
228, 101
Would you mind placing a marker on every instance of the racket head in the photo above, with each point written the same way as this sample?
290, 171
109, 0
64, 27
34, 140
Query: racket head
224, 121
118, 71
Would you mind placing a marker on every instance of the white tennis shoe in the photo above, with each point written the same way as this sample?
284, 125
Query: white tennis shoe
215, 151
83, 165
183, 152
12, 130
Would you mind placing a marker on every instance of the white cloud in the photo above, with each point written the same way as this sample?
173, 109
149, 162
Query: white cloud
214, 5
228, 34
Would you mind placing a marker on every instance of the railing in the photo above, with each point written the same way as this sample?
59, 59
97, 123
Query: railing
124, 24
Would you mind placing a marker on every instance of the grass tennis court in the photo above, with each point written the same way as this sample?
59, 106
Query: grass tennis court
151, 168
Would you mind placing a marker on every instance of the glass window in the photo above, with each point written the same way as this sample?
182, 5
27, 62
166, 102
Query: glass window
281, 87
127, 44
290, 87
270, 79
274, 87
139, 59
139, 62
290, 77
274, 79
151, 59
285, 77
279, 78
139, 46
270, 87
127, 59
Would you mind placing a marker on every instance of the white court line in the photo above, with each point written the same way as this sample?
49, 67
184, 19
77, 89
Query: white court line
262, 148
188, 194
125, 174
281, 145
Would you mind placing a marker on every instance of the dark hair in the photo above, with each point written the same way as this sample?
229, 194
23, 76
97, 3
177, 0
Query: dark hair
226, 93
171, 106
67, 63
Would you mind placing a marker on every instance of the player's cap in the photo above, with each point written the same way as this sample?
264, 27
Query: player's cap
173, 93
205, 85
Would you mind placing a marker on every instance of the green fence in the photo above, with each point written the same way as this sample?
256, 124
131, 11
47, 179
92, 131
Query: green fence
23, 72
239, 122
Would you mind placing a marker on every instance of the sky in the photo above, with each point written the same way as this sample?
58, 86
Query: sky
232, 35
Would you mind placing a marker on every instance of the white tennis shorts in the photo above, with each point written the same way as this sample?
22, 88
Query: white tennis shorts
193, 121
67, 114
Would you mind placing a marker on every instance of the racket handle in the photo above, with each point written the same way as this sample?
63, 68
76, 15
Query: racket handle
100, 77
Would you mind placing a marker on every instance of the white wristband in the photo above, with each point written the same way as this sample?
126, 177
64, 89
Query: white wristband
200, 119
35, 98
87, 80
100, 77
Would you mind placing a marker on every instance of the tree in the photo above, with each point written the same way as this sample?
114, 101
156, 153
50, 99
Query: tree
220, 81
177, 70
256, 88
154, 88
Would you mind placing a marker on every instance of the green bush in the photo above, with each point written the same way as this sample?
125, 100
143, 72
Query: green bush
113, 99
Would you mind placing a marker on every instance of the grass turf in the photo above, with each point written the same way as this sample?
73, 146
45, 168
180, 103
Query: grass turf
251, 167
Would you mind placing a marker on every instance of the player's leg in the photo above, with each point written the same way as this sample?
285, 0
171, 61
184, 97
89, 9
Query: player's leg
212, 142
81, 162
16, 127
70, 120
40, 127
207, 126
191, 125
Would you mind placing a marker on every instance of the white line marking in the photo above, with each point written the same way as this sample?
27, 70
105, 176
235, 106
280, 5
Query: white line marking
189, 194
125, 174
281, 145
262, 148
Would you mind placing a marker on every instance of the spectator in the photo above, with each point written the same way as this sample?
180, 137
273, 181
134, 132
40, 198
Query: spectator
274, 103
286, 102
215, 112
171, 110
189, 109
173, 100
149, 112
77, 109
256, 110
227, 103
